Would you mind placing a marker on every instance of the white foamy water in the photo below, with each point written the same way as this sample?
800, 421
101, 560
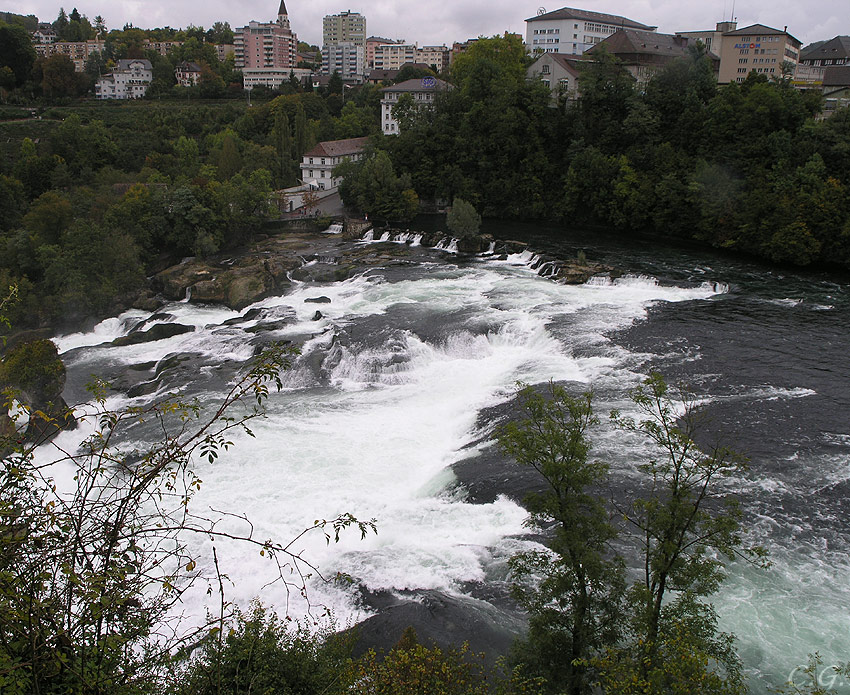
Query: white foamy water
383, 400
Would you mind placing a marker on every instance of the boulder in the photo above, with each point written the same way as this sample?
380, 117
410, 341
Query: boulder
317, 300
158, 332
36, 374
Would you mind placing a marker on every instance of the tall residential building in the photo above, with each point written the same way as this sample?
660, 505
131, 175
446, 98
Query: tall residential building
573, 31
345, 27
267, 45
760, 49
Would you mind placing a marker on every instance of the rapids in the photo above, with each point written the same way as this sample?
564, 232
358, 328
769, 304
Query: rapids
389, 413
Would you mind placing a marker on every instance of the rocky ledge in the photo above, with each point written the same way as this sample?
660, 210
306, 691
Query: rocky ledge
269, 266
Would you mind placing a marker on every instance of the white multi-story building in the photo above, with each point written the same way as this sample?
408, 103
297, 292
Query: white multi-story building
318, 164
129, 80
271, 77
345, 27
423, 92
347, 59
391, 56
573, 31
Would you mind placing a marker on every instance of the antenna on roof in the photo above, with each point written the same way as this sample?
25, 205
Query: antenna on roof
541, 11
732, 16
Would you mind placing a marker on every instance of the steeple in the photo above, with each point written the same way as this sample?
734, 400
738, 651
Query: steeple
283, 15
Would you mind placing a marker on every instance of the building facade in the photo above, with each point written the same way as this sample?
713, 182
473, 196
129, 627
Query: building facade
187, 74
346, 59
434, 56
267, 45
423, 92
815, 60
759, 49
391, 56
371, 43
272, 77
77, 51
317, 164
345, 27
573, 31
129, 80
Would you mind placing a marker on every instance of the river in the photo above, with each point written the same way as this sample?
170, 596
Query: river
389, 412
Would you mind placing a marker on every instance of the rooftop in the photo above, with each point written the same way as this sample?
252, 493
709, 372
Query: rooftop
644, 42
424, 84
760, 29
839, 47
589, 16
338, 148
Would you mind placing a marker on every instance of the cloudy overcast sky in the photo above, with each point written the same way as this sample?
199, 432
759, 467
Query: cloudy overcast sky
445, 21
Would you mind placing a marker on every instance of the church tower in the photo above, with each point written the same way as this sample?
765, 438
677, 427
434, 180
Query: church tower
283, 15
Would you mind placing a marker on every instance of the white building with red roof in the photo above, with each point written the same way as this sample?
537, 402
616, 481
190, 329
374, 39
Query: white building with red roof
318, 163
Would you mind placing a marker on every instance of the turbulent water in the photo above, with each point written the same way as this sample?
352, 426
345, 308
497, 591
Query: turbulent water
388, 414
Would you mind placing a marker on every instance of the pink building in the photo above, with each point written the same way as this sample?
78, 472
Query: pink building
267, 45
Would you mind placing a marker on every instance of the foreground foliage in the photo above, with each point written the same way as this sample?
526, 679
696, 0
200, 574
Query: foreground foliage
91, 567
586, 629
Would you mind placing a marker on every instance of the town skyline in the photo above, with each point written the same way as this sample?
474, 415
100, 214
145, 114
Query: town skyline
445, 22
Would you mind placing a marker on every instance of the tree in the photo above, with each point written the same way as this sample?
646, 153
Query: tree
685, 527
372, 186
229, 159
575, 603
60, 79
16, 51
462, 219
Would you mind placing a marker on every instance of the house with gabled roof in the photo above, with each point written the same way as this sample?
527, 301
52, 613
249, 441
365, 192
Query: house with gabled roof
573, 31
317, 164
187, 74
557, 71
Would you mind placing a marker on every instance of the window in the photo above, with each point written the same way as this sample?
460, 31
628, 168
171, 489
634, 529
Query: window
545, 70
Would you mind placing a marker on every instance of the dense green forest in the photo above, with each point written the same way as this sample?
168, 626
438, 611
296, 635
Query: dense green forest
740, 166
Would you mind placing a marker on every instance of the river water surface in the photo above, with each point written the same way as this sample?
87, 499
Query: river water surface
389, 411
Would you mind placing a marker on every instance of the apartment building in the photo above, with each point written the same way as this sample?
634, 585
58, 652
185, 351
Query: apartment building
436, 56
267, 45
371, 43
574, 31
78, 51
391, 56
345, 27
347, 59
